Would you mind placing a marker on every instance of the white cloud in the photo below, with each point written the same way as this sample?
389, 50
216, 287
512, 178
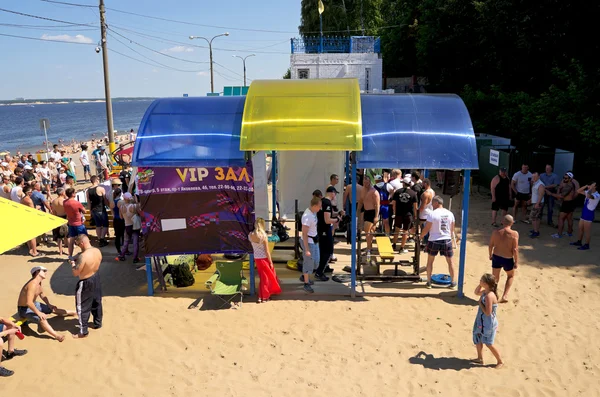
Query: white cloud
179, 48
154, 70
68, 38
202, 74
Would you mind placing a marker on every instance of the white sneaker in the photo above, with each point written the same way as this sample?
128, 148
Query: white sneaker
556, 235
404, 251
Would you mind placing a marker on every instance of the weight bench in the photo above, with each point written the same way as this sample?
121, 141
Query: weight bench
386, 253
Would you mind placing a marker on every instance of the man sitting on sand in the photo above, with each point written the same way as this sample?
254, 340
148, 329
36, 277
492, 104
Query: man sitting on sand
36, 312
504, 253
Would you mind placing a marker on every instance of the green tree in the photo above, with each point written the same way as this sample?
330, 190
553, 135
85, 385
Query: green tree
341, 17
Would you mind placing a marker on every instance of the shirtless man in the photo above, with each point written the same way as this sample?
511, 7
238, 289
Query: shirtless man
88, 297
35, 312
59, 210
370, 200
504, 253
426, 204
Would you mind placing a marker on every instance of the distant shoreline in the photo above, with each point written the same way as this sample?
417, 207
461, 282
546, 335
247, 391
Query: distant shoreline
61, 101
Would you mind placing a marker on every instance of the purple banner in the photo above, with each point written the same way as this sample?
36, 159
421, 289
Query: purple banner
196, 210
167, 180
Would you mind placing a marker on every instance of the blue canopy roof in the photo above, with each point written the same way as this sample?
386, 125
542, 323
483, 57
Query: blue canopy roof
191, 132
417, 131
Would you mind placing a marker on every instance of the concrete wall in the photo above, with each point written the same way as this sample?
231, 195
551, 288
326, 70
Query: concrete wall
327, 66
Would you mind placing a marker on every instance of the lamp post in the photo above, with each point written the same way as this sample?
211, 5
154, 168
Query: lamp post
212, 88
244, 61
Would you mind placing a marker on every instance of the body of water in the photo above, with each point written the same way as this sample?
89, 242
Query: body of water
20, 127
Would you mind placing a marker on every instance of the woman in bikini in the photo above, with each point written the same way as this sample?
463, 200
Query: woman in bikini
269, 285
486, 324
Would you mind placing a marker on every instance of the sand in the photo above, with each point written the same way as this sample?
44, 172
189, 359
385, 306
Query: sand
403, 343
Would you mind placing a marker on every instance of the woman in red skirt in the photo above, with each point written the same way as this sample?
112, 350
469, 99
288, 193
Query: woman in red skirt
264, 265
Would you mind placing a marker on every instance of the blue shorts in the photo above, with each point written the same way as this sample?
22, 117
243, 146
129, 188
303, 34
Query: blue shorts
384, 212
26, 312
86, 168
75, 231
587, 215
499, 262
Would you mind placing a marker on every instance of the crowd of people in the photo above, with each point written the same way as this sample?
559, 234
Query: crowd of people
541, 190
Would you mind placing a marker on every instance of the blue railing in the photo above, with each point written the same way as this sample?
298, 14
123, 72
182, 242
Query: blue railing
340, 45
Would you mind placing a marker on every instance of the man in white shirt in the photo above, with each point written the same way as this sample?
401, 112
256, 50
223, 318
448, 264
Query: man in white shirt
592, 198
55, 153
440, 226
103, 163
44, 173
85, 162
521, 185
310, 242
538, 190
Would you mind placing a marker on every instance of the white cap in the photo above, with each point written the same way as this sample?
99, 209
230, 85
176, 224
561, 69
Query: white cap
127, 196
4, 164
36, 268
407, 179
378, 177
569, 174
28, 167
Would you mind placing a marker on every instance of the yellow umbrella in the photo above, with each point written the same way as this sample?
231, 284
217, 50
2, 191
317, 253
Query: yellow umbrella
21, 223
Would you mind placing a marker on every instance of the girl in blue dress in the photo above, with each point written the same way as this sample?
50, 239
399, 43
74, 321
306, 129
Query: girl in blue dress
486, 324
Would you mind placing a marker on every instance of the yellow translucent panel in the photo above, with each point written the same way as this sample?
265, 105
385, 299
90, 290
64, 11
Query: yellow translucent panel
25, 223
319, 114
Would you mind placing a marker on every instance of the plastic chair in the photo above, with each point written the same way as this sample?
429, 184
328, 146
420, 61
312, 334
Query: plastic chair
227, 282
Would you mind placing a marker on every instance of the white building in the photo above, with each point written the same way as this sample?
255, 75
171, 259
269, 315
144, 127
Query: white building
344, 57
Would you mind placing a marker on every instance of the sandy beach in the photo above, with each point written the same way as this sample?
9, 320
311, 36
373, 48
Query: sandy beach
403, 341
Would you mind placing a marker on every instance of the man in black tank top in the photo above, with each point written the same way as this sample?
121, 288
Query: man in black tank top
501, 194
97, 203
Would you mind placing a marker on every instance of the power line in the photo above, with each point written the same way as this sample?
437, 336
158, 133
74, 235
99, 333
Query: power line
38, 39
196, 24
44, 18
65, 28
169, 41
156, 66
153, 50
162, 65
240, 29
69, 4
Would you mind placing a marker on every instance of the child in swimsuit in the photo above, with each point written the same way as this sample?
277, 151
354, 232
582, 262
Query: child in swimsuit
486, 324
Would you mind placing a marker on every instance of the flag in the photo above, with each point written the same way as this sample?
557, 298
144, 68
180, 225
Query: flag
321, 7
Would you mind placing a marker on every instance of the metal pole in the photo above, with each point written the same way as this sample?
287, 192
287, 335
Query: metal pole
347, 179
463, 232
109, 113
212, 86
244, 72
252, 281
353, 231
274, 184
46, 135
149, 276
321, 30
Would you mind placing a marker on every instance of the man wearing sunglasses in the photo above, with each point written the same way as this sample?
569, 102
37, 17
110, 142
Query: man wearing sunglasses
565, 193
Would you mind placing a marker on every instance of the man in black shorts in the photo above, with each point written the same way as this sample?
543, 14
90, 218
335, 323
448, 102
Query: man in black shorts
521, 186
565, 193
404, 205
501, 194
440, 226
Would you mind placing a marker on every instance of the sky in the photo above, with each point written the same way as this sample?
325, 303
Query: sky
44, 68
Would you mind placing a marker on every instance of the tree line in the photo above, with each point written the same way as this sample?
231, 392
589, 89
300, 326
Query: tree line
527, 70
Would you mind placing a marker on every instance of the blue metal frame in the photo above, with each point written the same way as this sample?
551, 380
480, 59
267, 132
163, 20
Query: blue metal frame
252, 281
274, 183
149, 276
463, 232
353, 231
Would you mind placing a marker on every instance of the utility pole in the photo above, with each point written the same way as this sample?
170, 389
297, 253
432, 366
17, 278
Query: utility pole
109, 114
212, 86
244, 60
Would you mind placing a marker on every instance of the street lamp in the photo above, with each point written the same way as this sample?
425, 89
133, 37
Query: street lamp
244, 60
212, 88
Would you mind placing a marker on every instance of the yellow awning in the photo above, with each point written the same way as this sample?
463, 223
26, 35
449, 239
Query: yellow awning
22, 223
318, 114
